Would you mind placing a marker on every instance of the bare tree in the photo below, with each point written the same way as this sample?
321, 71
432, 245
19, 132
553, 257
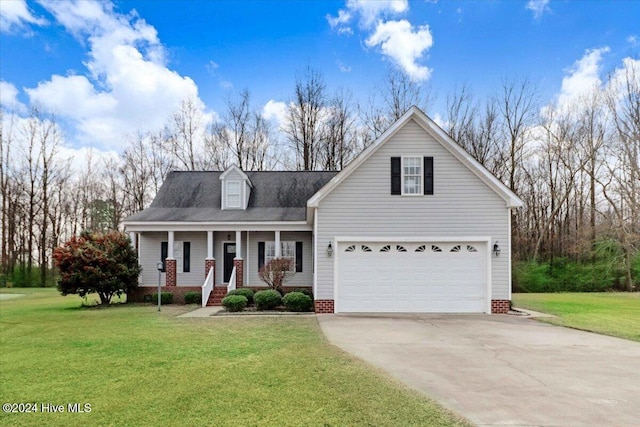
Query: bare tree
340, 138
184, 135
622, 190
391, 100
305, 115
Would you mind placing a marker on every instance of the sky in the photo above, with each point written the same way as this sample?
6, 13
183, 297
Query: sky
109, 69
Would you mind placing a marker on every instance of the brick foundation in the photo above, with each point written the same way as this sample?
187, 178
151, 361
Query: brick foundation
208, 265
138, 295
500, 306
323, 306
238, 263
170, 266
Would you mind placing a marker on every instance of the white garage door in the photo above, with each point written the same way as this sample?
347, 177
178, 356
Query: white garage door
420, 277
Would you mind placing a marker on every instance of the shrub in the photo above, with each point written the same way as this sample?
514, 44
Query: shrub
276, 272
165, 298
234, 302
267, 300
245, 292
297, 301
192, 297
105, 264
305, 291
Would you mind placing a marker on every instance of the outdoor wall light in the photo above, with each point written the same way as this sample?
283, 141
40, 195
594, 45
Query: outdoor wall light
496, 249
329, 249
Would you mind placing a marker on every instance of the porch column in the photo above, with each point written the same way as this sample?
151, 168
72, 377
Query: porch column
238, 262
134, 241
278, 253
210, 261
170, 263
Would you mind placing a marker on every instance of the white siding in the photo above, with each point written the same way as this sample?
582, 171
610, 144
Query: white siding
150, 255
462, 205
304, 278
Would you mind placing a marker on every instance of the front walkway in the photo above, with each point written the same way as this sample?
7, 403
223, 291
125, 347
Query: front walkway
500, 369
203, 311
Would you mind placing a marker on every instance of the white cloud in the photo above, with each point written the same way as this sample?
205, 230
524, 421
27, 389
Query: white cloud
336, 21
16, 15
633, 40
369, 12
538, 7
582, 77
9, 98
127, 86
403, 45
625, 78
275, 110
396, 39
342, 67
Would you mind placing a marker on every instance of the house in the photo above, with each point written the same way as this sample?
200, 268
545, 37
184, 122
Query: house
413, 224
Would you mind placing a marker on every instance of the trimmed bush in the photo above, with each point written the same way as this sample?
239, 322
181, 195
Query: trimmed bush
245, 292
234, 302
305, 291
267, 300
192, 297
297, 301
165, 298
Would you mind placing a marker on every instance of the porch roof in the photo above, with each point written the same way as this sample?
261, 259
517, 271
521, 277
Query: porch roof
195, 196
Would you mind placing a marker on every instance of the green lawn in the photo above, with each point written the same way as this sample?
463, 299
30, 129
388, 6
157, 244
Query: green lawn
609, 313
138, 367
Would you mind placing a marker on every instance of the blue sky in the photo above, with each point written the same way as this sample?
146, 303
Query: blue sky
106, 69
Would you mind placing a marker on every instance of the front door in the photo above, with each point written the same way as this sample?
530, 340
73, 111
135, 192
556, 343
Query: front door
229, 255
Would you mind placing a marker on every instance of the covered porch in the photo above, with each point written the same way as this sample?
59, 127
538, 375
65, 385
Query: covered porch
218, 258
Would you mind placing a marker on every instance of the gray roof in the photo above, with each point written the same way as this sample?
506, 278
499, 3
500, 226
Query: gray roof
195, 196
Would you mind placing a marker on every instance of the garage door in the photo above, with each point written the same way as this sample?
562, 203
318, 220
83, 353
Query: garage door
420, 277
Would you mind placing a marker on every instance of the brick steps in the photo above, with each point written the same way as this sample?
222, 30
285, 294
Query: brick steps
216, 296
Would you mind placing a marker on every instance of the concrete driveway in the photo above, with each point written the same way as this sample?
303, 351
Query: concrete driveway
501, 370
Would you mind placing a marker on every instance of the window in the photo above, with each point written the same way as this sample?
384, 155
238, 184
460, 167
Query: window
186, 257
412, 175
164, 252
233, 193
288, 249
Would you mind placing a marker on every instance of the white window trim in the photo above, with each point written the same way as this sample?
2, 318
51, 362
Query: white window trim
226, 194
284, 244
402, 176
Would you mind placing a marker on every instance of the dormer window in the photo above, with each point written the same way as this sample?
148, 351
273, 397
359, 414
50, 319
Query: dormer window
234, 194
235, 188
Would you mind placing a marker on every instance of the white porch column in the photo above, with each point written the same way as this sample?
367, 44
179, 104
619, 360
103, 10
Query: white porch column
277, 244
238, 245
134, 239
170, 245
209, 244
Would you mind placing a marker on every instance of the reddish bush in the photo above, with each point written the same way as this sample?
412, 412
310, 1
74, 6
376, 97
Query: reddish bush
94, 262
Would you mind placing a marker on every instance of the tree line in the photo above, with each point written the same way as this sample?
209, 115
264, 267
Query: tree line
574, 163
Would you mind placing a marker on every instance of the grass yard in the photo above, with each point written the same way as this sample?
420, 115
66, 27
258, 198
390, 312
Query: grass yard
609, 313
138, 367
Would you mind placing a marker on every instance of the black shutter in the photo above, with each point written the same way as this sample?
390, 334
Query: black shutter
428, 175
186, 258
298, 257
164, 251
396, 176
260, 255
